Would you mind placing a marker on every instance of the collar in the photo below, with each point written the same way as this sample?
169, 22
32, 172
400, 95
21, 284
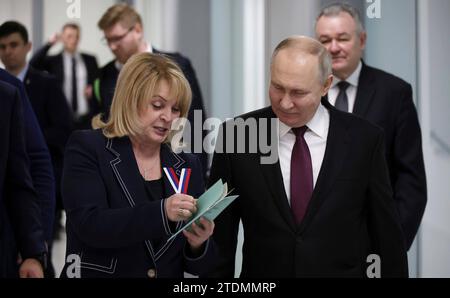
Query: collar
121, 147
149, 49
352, 79
68, 55
23, 73
317, 124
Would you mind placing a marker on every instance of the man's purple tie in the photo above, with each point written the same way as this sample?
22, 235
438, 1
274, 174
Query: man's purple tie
301, 175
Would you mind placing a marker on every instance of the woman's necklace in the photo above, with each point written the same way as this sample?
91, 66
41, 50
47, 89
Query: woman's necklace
145, 172
146, 164
147, 167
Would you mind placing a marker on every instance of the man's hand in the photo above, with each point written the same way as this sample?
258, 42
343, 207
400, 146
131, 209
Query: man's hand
88, 92
31, 268
56, 37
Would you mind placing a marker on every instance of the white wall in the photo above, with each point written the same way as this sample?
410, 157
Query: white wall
397, 29
160, 18
392, 46
289, 17
181, 26
18, 10
238, 36
417, 51
55, 16
434, 86
153, 20
225, 57
285, 18
194, 41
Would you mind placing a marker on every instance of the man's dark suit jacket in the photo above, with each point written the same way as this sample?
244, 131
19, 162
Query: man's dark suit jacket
51, 109
20, 215
350, 216
112, 223
55, 64
105, 85
386, 101
40, 161
54, 116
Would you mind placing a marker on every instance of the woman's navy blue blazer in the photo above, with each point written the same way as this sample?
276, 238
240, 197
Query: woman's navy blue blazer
113, 228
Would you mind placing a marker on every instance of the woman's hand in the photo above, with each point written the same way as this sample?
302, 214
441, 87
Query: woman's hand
199, 234
180, 207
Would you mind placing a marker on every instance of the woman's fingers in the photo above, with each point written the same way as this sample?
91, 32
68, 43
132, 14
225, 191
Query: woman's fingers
199, 233
204, 229
180, 207
188, 206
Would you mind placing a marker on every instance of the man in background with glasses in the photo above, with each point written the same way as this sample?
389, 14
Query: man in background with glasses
123, 33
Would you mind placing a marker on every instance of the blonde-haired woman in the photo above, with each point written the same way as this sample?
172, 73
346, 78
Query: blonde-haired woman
126, 192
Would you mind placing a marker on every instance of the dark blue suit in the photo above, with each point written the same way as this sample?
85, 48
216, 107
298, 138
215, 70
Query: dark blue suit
40, 162
54, 116
55, 119
112, 223
51, 109
20, 215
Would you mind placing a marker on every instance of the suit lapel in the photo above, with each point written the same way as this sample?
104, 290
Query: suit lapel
335, 154
365, 92
59, 67
28, 80
32, 86
274, 181
126, 171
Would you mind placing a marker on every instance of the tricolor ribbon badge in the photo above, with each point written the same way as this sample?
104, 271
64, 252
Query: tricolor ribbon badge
179, 185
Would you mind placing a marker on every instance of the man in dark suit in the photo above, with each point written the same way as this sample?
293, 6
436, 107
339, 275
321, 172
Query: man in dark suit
75, 70
40, 162
20, 215
324, 208
47, 99
123, 30
384, 100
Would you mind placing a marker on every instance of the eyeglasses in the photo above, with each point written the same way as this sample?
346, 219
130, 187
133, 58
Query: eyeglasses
116, 39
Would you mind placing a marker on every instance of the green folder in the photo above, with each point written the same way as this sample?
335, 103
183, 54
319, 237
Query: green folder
209, 205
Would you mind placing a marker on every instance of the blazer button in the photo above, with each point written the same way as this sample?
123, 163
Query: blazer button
151, 273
